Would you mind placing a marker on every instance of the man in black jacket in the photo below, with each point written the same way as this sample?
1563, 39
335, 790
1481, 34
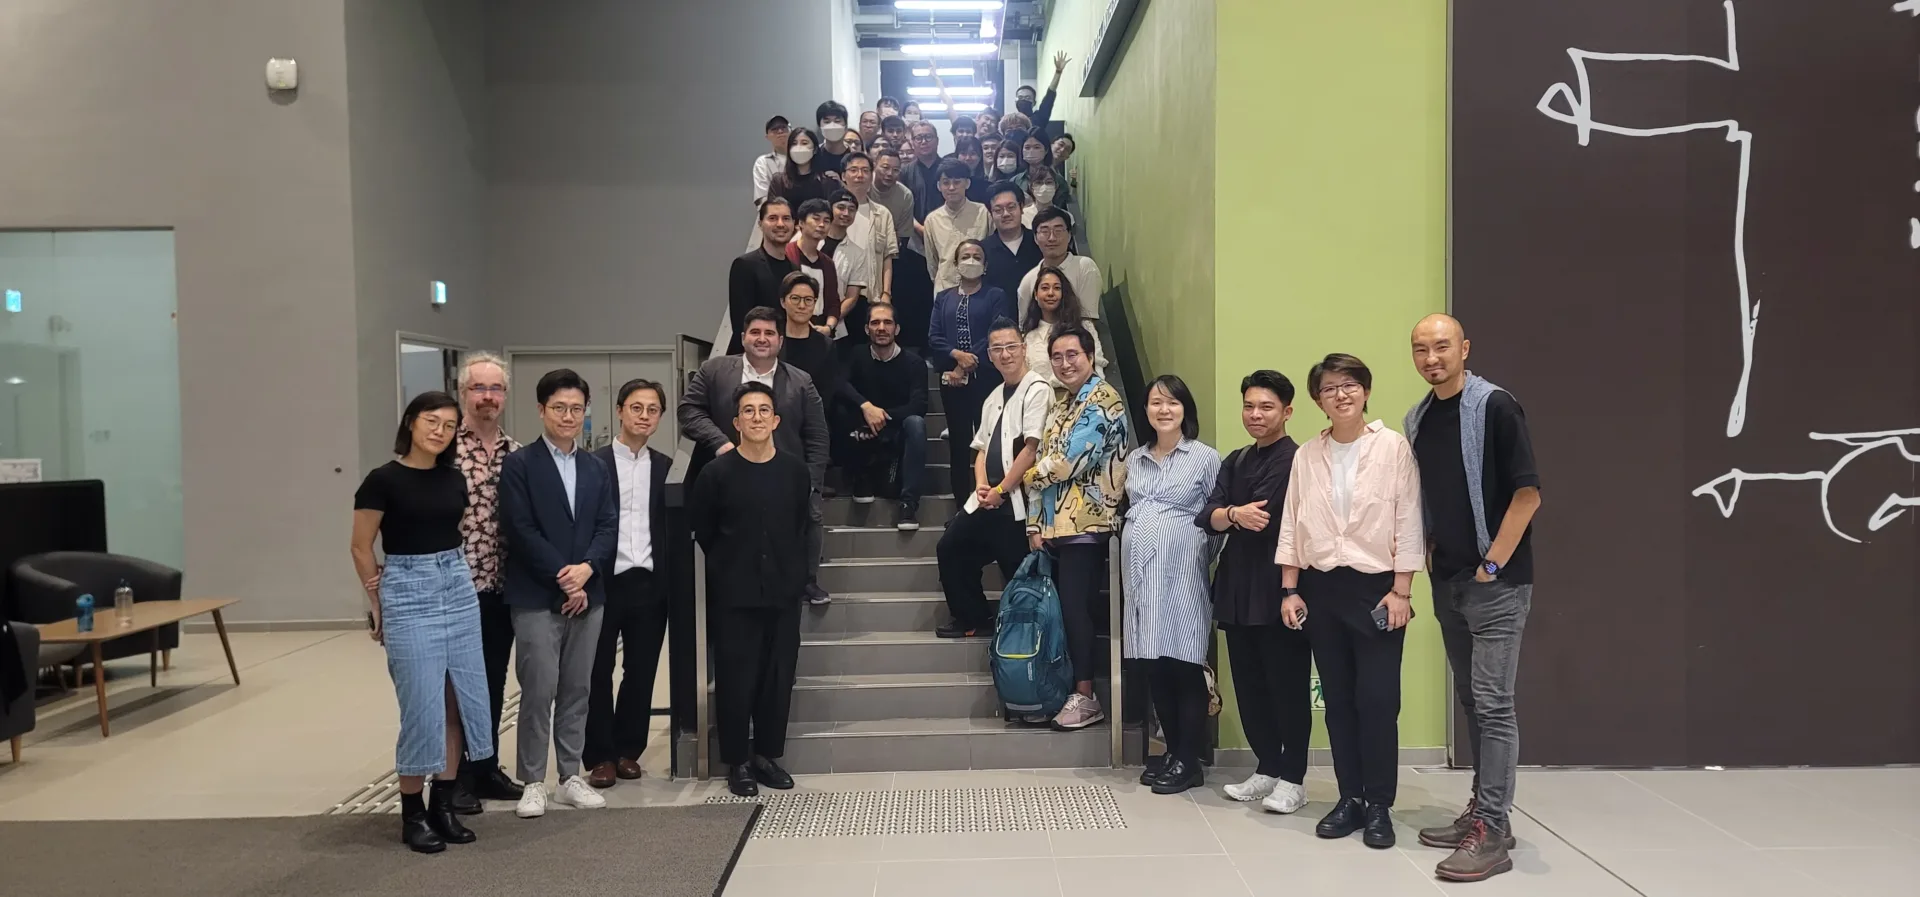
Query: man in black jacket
745, 509
754, 279
889, 424
706, 415
1011, 250
637, 606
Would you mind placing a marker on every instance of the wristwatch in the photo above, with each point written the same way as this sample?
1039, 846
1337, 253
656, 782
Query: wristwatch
1288, 592
1488, 565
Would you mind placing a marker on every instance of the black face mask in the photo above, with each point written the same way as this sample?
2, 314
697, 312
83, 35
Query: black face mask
1025, 106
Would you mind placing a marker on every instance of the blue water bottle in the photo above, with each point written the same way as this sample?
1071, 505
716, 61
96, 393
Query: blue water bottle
84, 621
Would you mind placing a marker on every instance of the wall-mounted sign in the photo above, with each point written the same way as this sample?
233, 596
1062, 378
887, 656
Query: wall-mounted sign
1105, 51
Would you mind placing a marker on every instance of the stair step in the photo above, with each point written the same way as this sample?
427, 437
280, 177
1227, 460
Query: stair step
937, 452
882, 541
865, 612
895, 574
907, 744
888, 695
842, 511
874, 653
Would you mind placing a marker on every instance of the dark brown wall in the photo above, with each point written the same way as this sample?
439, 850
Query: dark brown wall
1598, 284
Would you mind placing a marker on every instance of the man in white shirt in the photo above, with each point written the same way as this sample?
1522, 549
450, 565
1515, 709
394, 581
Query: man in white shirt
957, 220
873, 227
992, 528
1053, 230
765, 167
852, 260
636, 609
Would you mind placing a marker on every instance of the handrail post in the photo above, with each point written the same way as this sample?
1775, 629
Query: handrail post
703, 678
1116, 642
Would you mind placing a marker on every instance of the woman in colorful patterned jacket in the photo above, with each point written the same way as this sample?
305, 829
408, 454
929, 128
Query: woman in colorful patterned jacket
1080, 478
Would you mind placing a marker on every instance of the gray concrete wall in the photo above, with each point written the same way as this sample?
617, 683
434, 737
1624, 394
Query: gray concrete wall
621, 140
417, 128
147, 114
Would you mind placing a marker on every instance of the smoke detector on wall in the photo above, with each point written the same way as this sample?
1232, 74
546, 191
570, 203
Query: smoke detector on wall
283, 74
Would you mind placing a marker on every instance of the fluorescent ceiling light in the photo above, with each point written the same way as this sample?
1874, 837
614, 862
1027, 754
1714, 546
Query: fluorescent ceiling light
957, 107
987, 26
954, 72
948, 5
980, 49
953, 91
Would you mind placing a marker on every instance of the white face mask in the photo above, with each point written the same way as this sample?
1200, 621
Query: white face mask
1008, 164
913, 117
1043, 193
833, 133
801, 154
972, 268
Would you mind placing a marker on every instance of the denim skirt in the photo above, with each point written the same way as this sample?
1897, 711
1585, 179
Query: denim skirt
430, 619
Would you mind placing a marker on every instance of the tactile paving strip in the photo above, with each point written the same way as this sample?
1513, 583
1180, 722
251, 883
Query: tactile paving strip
383, 794
934, 811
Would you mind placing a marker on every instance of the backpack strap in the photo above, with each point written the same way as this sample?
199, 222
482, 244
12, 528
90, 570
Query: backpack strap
1038, 563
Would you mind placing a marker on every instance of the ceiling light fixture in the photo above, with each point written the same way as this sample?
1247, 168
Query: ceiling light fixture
16, 381
980, 49
954, 72
951, 91
987, 26
957, 107
948, 5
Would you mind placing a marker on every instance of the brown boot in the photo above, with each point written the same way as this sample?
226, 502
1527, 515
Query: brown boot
1482, 854
602, 775
1449, 835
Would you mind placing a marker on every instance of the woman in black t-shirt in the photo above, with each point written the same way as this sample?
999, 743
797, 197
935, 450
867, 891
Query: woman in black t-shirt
422, 608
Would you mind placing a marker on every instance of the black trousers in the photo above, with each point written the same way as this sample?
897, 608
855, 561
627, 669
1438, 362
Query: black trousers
1179, 690
963, 417
1080, 569
755, 653
912, 298
1359, 678
1273, 687
496, 649
636, 613
971, 542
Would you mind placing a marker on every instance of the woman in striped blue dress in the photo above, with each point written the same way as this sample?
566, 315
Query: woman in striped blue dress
1169, 618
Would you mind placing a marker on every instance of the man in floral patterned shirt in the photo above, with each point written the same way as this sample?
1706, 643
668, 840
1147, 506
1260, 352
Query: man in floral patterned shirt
480, 448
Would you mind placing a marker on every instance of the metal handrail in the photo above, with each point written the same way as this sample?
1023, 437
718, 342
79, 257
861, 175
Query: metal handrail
688, 354
1116, 650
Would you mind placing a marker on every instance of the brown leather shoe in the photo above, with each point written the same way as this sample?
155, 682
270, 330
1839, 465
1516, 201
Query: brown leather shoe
1451, 834
628, 769
1482, 854
602, 775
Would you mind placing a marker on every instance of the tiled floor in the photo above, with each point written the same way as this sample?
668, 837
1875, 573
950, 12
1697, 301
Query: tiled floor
313, 721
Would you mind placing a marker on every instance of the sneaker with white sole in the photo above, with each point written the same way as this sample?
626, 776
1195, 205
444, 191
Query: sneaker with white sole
575, 792
1080, 712
1256, 787
1286, 798
533, 801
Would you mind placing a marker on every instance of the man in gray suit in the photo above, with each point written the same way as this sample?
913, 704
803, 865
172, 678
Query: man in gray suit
707, 410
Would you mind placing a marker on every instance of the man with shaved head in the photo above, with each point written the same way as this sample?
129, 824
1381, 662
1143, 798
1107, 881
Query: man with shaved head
1479, 488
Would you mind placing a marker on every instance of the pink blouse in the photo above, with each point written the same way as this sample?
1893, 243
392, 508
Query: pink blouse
1383, 531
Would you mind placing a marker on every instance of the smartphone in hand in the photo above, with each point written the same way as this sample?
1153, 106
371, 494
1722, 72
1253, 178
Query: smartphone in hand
1380, 617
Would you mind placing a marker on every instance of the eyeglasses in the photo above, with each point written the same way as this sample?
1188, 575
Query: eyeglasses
1004, 351
1068, 357
1348, 388
487, 388
566, 411
802, 300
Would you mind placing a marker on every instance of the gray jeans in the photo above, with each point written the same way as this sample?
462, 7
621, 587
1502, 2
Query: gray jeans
1481, 623
554, 660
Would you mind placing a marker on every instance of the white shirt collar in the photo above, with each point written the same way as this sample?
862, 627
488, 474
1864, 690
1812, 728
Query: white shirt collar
621, 451
555, 450
876, 352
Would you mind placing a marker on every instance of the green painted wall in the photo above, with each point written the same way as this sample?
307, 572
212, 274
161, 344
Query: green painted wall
1146, 145
1330, 220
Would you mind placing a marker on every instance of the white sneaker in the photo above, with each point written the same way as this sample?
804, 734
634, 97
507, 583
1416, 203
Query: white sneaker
574, 790
1286, 798
1254, 788
533, 801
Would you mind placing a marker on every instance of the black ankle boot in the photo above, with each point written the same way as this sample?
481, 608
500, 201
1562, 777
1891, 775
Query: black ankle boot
414, 830
465, 802
441, 817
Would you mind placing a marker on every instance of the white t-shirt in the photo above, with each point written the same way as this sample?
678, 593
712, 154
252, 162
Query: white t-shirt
1082, 274
1345, 461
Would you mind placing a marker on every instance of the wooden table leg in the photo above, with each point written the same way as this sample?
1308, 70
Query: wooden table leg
166, 659
153, 661
100, 688
16, 742
221, 625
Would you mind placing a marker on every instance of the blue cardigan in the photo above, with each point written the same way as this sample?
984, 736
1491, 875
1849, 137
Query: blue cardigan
991, 302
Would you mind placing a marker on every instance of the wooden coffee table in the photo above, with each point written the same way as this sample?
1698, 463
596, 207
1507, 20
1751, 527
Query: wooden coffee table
147, 617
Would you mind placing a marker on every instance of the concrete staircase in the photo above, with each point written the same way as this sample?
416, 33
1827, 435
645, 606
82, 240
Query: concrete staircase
877, 692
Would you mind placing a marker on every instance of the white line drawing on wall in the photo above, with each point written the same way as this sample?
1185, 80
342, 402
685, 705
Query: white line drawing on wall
1861, 443
1908, 6
1579, 113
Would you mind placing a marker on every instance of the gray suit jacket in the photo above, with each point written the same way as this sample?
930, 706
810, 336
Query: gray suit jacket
706, 412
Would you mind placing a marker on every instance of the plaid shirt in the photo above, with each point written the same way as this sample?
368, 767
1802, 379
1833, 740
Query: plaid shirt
480, 524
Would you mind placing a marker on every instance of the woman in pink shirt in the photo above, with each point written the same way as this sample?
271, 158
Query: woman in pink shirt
1350, 540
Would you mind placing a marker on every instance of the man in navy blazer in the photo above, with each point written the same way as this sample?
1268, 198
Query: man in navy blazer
561, 521
637, 607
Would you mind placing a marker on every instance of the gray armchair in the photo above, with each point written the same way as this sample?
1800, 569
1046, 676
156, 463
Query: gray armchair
17, 717
45, 586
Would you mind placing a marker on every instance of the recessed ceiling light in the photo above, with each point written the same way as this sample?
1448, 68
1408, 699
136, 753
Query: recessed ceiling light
954, 91
961, 71
948, 5
981, 49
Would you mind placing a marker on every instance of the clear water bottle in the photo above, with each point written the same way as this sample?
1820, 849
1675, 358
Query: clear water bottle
83, 620
123, 604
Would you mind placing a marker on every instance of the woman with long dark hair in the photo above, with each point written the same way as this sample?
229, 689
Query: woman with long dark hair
1054, 305
802, 180
1169, 618
421, 606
